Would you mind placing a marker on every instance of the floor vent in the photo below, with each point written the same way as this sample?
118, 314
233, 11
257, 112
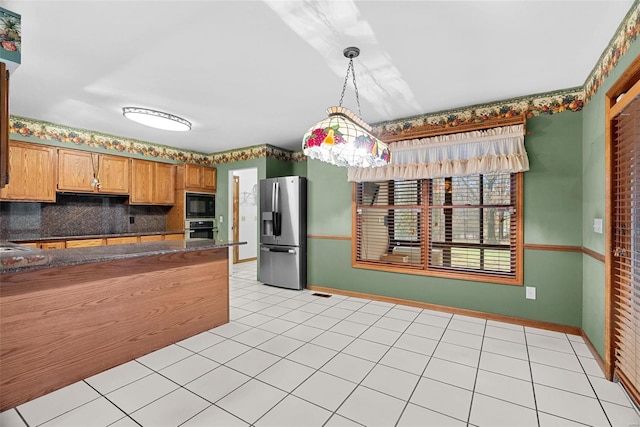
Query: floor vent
316, 294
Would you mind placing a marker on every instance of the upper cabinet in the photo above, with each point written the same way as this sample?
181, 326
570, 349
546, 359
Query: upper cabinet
198, 178
87, 172
152, 183
32, 170
165, 184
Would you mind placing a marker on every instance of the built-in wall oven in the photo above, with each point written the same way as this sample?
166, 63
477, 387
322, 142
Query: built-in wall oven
204, 228
199, 206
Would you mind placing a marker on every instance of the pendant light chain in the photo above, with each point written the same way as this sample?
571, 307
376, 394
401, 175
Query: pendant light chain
344, 87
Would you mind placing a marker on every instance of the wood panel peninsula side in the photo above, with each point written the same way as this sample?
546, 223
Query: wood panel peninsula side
73, 313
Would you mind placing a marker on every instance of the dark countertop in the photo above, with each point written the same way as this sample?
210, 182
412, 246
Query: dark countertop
18, 237
22, 258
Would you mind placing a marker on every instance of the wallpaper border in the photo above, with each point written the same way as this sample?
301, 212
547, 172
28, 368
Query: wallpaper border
572, 99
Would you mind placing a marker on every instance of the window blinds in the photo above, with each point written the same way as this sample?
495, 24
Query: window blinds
626, 244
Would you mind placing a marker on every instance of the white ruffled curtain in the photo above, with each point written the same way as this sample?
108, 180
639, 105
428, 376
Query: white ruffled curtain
496, 150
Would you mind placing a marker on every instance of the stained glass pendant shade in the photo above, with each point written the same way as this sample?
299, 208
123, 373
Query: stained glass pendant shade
344, 139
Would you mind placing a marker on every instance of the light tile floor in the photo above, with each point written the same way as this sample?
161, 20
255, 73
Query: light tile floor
289, 358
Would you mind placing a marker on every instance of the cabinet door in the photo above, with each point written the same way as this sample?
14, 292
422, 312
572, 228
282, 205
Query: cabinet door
114, 174
84, 243
142, 172
75, 170
164, 184
52, 245
32, 174
151, 238
209, 179
173, 236
121, 240
192, 177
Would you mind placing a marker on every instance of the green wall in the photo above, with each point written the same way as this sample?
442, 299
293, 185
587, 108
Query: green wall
552, 198
553, 185
593, 206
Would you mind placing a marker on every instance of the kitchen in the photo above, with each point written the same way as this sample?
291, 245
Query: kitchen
559, 190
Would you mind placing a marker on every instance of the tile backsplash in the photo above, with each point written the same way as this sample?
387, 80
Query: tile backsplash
80, 215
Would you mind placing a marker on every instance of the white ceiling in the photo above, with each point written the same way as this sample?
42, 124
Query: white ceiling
262, 72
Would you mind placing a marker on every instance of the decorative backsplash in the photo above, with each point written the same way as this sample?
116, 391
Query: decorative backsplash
78, 215
572, 99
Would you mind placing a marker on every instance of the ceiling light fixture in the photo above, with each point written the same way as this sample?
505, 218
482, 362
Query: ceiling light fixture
344, 139
156, 119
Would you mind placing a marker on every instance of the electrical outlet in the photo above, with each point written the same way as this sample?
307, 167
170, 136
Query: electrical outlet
221, 219
530, 292
132, 220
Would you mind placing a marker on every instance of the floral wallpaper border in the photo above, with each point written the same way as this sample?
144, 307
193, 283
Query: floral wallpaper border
572, 99
40, 131
626, 34
528, 106
34, 130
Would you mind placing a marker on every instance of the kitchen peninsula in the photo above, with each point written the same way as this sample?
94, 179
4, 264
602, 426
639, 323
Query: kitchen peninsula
71, 313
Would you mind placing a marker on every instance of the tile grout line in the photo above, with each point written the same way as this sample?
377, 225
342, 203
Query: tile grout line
533, 387
475, 380
109, 400
423, 371
591, 385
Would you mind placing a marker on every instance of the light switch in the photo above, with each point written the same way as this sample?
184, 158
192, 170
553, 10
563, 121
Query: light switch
597, 225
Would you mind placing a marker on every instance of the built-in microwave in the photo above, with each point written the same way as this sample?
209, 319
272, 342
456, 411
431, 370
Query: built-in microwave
198, 205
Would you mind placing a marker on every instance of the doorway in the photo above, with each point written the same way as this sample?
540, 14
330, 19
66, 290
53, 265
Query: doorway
244, 214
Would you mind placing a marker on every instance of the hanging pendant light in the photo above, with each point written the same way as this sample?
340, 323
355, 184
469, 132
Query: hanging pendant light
344, 139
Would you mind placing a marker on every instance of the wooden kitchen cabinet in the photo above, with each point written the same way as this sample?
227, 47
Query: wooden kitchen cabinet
199, 178
85, 243
32, 169
61, 244
151, 238
31, 245
174, 236
77, 169
165, 184
122, 240
152, 183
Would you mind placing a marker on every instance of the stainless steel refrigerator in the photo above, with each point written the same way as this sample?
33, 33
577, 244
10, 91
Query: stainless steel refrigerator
283, 232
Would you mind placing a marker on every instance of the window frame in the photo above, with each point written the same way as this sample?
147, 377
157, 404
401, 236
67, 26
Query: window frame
426, 270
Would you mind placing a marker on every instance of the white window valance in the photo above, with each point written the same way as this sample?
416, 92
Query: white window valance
495, 150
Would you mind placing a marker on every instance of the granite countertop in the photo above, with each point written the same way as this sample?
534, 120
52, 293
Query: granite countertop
22, 258
18, 237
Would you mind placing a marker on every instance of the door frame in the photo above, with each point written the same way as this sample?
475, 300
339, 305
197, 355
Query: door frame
230, 175
235, 218
626, 83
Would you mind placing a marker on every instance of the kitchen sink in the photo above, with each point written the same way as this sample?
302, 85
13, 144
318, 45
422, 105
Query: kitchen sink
14, 248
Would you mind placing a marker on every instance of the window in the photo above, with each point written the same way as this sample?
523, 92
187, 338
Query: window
466, 227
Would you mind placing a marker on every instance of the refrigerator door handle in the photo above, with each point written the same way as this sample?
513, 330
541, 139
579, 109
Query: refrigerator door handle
278, 250
274, 197
277, 218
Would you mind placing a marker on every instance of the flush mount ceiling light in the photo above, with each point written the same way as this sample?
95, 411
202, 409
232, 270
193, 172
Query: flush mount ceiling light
344, 139
156, 119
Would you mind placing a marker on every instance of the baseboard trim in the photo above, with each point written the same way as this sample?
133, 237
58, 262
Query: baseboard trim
596, 355
572, 330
